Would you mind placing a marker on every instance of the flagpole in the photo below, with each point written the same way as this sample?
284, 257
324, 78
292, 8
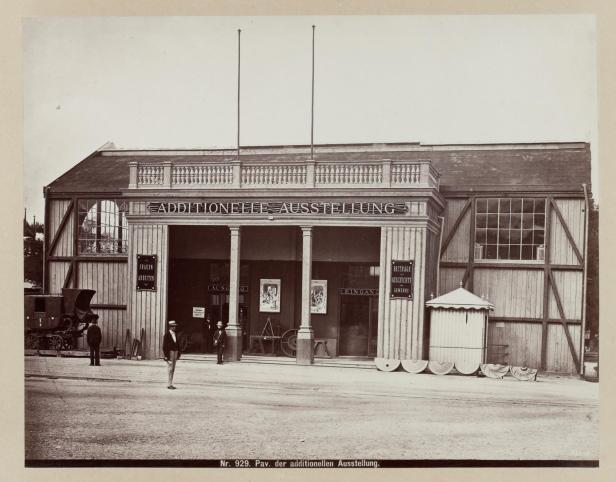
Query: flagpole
239, 33
312, 104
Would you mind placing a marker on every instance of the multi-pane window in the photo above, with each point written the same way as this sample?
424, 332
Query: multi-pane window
512, 228
102, 226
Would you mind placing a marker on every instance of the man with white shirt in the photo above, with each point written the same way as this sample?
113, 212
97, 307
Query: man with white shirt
171, 350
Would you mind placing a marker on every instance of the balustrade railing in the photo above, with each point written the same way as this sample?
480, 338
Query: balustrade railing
307, 174
346, 174
203, 174
273, 175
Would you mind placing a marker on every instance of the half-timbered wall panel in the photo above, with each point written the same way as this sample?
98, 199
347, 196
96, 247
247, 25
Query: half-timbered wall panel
516, 344
457, 250
569, 284
148, 309
515, 293
57, 274
559, 358
109, 280
57, 209
561, 251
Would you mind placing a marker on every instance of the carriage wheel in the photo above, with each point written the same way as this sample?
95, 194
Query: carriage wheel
32, 342
55, 342
288, 343
67, 342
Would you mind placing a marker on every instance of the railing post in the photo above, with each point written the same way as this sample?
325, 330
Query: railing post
236, 166
424, 174
167, 174
310, 174
133, 167
386, 173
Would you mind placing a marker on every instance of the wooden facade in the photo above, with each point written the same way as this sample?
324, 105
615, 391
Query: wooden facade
537, 320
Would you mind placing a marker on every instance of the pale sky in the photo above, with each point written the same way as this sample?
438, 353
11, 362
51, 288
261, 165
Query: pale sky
170, 82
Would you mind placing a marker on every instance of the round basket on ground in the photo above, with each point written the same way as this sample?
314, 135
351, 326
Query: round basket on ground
288, 343
524, 374
467, 368
414, 366
440, 368
386, 364
494, 370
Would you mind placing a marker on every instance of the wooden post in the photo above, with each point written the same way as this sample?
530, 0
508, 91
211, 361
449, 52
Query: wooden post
305, 335
546, 284
471, 247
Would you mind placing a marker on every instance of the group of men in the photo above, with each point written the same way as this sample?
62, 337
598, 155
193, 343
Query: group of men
171, 347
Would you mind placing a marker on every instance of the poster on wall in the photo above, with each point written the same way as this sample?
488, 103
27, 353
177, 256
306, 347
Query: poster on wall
269, 295
146, 272
318, 296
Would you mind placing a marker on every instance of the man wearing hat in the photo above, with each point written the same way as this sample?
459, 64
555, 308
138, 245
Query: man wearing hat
94, 338
171, 350
220, 337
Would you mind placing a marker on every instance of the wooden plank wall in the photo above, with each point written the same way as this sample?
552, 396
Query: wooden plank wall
450, 279
559, 357
57, 209
148, 309
515, 293
401, 333
57, 274
522, 340
561, 251
110, 282
458, 246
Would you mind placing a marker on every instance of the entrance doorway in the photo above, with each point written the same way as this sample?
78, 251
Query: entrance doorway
358, 325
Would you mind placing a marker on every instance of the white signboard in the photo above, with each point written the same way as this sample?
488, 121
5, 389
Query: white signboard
198, 311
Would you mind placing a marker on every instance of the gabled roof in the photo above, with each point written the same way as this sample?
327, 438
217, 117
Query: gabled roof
478, 167
460, 299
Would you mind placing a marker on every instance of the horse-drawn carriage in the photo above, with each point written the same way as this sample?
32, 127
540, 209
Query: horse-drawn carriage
57, 322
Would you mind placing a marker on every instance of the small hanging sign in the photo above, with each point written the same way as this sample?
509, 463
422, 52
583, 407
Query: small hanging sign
146, 272
401, 280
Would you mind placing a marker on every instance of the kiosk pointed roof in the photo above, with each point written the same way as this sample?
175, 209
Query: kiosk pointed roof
460, 299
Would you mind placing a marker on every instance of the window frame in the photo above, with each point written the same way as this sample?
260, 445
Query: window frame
102, 221
509, 217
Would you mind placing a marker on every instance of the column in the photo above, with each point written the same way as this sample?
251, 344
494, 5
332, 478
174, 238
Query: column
305, 335
233, 349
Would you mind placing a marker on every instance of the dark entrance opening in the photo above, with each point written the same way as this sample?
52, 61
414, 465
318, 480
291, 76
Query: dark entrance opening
358, 325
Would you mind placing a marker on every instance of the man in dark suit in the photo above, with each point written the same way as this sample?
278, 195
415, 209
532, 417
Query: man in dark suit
220, 338
171, 351
94, 338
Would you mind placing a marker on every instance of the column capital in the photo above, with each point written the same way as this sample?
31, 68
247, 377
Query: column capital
234, 228
306, 229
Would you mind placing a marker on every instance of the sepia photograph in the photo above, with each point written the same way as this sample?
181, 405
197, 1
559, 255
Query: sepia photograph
427, 186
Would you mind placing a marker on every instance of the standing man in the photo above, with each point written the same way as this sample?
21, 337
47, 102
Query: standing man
171, 351
94, 338
220, 338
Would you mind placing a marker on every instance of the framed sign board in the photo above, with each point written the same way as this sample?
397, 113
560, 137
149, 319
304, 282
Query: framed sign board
401, 280
318, 296
146, 272
269, 290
